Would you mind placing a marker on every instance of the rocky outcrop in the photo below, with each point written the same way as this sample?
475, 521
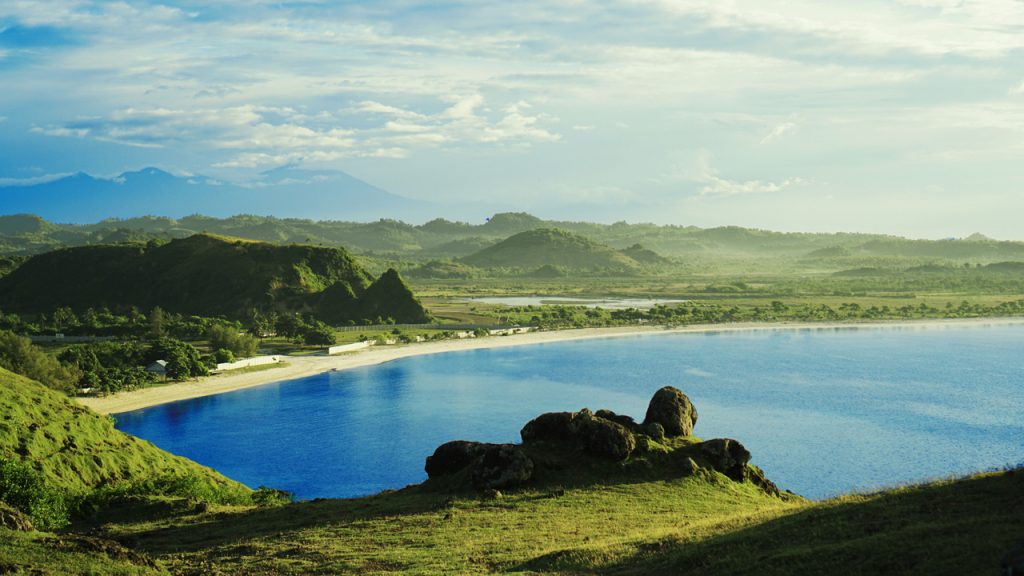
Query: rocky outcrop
12, 519
731, 458
491, 466
453, 457
502, 466
583, 430
556, 440
673, 410
727, 456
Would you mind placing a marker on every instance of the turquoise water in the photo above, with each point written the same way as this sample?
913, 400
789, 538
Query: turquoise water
823, 411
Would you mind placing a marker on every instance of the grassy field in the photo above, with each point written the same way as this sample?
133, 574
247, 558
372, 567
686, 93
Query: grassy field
703, 524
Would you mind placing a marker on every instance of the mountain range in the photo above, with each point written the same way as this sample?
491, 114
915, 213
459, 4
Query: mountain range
283, 192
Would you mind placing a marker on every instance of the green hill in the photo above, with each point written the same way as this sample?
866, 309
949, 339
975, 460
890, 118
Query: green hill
551, 247
77, 450
204, 274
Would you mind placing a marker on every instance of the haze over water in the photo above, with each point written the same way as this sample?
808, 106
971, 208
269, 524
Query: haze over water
822, 410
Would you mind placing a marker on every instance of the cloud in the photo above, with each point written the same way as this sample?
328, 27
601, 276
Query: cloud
778, 131
60, 131
260, 136
1018, 89
32, 181
716, 185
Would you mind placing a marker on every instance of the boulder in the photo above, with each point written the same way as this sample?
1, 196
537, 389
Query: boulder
673, 410
689, 467
553, 427
13, 519
502, 466
654, 430
727, 456
606, 439
452, 457
581, 431
621, 419
491, 466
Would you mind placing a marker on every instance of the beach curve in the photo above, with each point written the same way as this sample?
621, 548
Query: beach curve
305, 366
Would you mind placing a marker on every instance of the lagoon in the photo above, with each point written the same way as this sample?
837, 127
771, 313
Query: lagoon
823, 410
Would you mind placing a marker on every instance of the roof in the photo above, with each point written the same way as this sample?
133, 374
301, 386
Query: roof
158, 366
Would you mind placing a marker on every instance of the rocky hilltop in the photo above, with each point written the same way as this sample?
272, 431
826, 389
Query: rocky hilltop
556, 443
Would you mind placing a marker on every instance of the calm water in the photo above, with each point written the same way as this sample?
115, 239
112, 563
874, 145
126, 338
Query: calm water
606, 303
823, 411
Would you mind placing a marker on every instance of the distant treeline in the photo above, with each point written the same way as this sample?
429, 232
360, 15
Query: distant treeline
552, 317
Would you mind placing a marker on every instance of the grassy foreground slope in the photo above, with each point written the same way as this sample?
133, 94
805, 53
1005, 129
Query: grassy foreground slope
77, 450
696, 525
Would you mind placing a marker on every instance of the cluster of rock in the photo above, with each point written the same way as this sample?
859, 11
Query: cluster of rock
602, 434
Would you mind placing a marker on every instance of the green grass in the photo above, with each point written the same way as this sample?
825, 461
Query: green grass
703, 524
37, 553
77, 451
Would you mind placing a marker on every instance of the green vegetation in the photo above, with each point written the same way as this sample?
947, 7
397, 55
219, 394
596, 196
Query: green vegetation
18, 355
205, 275
58, 459
226, 338
551, 247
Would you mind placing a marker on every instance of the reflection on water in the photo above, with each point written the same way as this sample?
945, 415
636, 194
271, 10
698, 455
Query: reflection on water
606, 303
823, 411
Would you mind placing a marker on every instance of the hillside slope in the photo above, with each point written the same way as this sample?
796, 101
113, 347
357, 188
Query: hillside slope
78, 450
550, 247
203, 274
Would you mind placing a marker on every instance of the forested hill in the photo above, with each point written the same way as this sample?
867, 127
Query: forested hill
211, 276
551, 247
28, 234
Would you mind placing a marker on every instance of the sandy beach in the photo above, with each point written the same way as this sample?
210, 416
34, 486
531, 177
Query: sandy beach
303, 366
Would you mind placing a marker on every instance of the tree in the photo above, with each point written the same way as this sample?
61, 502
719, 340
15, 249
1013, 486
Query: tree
157, 323
18, 355
183, 360
319, 334
64, 317
226, 337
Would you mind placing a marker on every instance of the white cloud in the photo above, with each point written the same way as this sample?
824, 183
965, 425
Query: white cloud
1018, 89
60, 131
716, 185
778, 131
32, 180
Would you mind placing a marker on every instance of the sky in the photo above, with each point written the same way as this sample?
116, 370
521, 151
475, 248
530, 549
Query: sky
902, 117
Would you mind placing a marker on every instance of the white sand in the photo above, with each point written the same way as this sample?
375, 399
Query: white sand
302, 366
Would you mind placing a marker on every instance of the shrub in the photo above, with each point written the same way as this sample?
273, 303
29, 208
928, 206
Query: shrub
26, 490
18, 355
227, 338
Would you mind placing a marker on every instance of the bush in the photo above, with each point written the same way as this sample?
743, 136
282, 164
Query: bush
18, 355
182, 358
227, 338
319, 334
26, 490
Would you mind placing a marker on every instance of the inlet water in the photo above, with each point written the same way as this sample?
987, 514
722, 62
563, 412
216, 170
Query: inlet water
823, 411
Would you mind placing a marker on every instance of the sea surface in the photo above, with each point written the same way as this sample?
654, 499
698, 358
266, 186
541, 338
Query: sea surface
606, 303
824, 411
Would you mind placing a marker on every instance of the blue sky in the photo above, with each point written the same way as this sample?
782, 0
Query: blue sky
904, 117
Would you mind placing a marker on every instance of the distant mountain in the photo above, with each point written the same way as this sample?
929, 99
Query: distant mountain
551, 247
284, 192
211, 276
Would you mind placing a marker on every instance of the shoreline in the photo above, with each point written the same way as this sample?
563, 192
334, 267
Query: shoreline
304, 366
